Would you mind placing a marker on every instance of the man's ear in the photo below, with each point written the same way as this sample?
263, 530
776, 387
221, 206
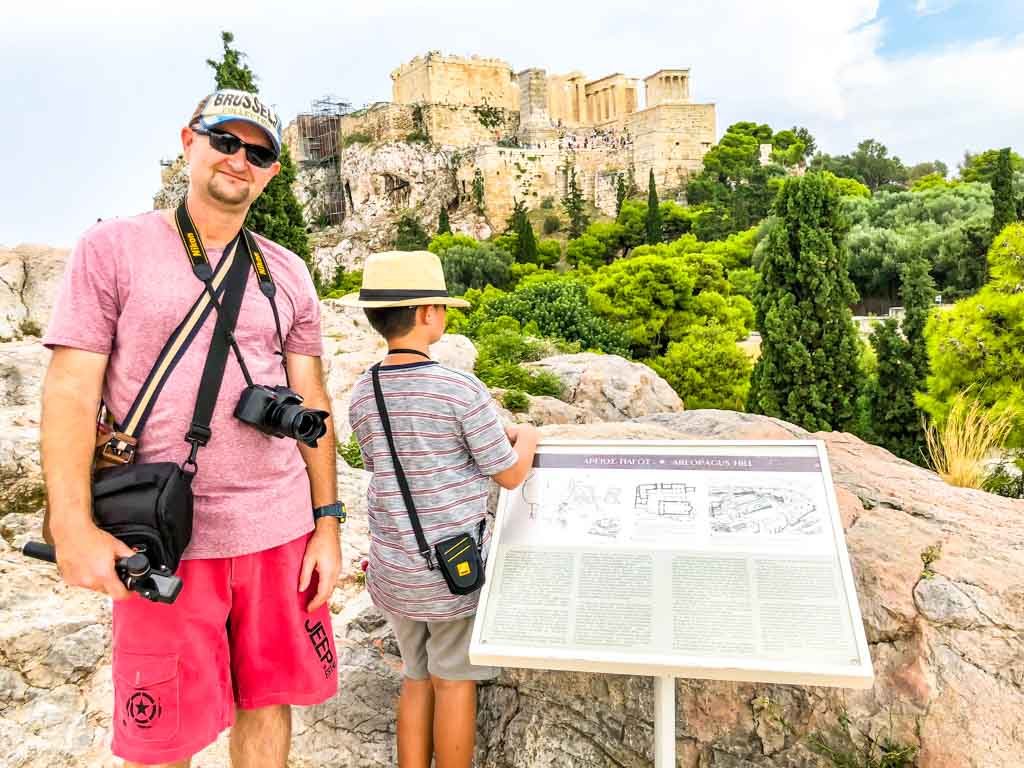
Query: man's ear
187, 137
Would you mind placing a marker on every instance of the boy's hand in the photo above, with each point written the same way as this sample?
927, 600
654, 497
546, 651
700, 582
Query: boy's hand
517, 431
323, 554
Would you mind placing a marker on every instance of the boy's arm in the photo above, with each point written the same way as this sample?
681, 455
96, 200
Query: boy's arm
505, 455
524, 439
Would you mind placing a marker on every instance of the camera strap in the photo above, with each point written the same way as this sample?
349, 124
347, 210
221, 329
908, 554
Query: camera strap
403, 483
199, 433
202, 270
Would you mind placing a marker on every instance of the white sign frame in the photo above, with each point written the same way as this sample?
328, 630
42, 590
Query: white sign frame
605, 661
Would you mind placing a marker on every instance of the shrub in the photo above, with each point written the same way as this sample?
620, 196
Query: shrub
356, 137
350, 453
515, 401
551, 224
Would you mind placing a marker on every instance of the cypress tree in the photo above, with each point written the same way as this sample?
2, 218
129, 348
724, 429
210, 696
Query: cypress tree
652, 221
573, 204
903, 367
620, 193
1004, 206
809, 369
276, 213
527, 242
443, 227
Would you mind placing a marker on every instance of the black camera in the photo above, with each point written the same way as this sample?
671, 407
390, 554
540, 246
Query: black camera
278, 411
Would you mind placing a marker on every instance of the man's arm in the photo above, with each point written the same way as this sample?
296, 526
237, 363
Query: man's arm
71, 397
323, 552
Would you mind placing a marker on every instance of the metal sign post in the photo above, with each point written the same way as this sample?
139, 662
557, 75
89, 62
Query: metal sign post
664, 722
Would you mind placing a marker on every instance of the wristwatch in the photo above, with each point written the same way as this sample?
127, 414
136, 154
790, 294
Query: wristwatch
337, 509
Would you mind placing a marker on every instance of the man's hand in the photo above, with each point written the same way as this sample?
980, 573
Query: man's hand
323, 554
86, 556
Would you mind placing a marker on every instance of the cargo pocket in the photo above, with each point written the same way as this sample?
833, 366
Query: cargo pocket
146, 691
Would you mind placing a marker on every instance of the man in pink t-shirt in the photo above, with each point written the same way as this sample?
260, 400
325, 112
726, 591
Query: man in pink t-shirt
250, 633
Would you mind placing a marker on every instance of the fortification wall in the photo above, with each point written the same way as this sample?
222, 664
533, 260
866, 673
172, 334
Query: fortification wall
672, 139
446, 125
438, 79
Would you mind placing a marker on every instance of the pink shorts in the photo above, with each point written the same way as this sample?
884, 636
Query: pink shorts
238, 635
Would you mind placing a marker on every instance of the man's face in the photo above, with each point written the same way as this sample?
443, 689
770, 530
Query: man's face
229, 181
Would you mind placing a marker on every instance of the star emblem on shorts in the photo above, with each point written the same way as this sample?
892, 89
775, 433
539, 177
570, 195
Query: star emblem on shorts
143, 709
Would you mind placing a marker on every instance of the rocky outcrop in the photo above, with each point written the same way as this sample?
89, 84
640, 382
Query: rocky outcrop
29, 277
380, 182
609, 387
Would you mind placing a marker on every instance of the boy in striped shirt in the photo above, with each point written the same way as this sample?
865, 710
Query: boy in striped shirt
451, 444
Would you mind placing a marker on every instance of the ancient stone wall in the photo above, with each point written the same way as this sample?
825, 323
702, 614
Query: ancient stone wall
443, 124
438, 79
672, 139
668, 86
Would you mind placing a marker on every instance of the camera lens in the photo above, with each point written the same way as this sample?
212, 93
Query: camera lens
301, 423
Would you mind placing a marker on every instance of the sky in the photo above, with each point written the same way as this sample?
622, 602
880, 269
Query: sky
94, 94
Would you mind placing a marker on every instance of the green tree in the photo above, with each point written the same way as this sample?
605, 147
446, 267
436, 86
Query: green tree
557, 306
869, 164
921, 170
1004, 203
478, 190
976, 345
809, 369
659, 294
804, 135
231, 71
902, 368
410, 235
706, 368
734, 191
982, 166
443, 226
527, 243
574, 206
276, 213
621, 192
476, 266
653, 220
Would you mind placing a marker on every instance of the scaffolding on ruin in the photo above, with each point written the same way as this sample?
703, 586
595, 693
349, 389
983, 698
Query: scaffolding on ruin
319, 132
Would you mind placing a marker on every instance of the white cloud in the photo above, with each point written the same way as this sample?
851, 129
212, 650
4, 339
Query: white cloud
932, 7
804, 62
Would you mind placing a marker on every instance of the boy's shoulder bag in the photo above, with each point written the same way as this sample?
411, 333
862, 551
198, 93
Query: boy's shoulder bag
457, 557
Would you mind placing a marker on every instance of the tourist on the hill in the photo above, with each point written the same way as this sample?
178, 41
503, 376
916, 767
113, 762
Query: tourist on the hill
438, 444
250, 633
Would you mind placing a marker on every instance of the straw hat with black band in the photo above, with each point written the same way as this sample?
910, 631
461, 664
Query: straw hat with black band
402, 279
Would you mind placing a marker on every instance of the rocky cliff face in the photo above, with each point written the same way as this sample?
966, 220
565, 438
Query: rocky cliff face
948, 651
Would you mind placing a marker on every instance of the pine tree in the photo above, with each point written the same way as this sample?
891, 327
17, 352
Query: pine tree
1004, 206
652, 221
443, 227
918, 293
809, 369
573, 204
620, 193
276, 213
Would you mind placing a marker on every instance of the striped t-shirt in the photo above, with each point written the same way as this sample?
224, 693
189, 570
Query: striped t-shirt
449, 439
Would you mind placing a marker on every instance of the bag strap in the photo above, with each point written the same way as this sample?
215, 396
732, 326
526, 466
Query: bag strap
201, 269
199, 433
403, 483
118, 445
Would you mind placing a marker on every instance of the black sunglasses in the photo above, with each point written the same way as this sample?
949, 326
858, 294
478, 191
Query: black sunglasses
228, 143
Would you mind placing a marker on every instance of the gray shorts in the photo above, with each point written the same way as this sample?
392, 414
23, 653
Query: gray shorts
437, 649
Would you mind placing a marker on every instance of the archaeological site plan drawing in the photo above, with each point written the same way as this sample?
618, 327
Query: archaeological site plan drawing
715, 559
